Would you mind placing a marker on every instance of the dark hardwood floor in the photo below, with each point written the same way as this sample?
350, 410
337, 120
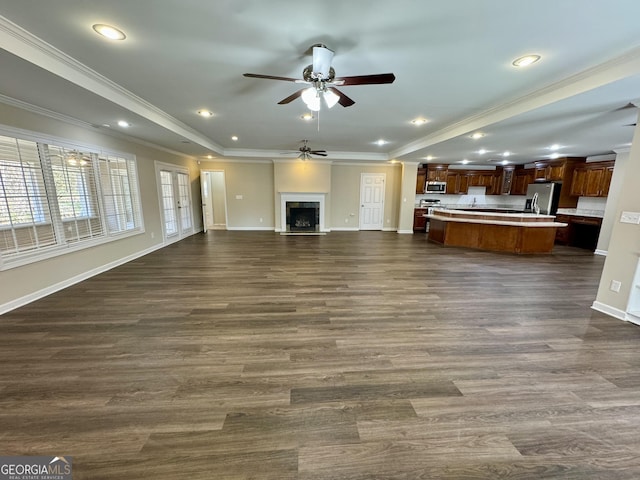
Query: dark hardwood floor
250, 355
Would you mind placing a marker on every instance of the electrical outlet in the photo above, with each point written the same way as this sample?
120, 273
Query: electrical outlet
346, 220
239, 197
630, 217
153, 235
261, 220
615, 286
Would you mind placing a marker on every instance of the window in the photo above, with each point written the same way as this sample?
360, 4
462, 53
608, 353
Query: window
53, 197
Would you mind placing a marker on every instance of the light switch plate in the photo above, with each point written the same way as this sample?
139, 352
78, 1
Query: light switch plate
630, 217
615, 286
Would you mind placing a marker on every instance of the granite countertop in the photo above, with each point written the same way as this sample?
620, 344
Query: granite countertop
581, 212
509, 219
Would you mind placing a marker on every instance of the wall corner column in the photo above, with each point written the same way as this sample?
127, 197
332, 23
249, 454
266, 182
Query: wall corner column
407, 197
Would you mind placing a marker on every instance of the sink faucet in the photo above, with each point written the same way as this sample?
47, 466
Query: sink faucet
473, 204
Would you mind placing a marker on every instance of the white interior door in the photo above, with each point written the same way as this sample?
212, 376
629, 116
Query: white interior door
214, 204
207, 207
372, 201
174, 191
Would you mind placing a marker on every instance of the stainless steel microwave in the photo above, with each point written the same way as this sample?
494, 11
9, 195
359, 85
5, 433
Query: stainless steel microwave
436, 187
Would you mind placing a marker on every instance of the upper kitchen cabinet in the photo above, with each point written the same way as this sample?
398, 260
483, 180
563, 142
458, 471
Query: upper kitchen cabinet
505, 181
592, 179
521, 178
457, 182
421, 179
559, 170
437, 173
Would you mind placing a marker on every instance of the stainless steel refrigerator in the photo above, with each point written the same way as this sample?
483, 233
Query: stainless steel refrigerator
545, 195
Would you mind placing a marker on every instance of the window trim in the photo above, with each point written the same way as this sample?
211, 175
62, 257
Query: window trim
24, 258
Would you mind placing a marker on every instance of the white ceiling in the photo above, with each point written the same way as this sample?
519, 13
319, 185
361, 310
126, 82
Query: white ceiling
452, 61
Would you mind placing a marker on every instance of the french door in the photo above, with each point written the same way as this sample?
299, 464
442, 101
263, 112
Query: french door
174, 190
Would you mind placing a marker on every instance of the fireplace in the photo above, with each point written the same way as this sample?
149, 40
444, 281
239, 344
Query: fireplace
302, 213
303, 216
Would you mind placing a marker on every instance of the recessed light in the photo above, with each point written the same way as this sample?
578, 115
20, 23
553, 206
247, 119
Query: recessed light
106, 125
205, 113
307, 117
554, 147
505, 162
464, 162
107, 31
525, 60
381, 142
428, 158
234, 138
482, 151
123, 124
477, 135
554, 155
209, 157
506, 154
419, 121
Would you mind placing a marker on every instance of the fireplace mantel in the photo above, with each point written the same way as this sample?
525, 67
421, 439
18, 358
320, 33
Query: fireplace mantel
301, 197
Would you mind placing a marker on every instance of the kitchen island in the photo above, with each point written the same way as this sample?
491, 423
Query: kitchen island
494, 231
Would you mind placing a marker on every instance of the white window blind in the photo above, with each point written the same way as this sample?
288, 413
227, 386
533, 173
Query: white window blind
54, 197
25, 218
74, 176
118, 179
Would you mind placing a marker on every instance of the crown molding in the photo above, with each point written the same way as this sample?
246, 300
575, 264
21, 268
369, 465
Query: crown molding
29, 107
607, 72
275, 154
27, 46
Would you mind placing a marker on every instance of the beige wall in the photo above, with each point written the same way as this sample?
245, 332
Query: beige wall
249, 186
624, 246
615, 189
20, 284
345, 194
407, 197
252, 196
296, 176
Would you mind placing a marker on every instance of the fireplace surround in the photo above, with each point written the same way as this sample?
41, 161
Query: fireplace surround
302, 213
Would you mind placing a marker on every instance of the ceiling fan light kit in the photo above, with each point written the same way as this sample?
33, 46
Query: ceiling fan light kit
320, 76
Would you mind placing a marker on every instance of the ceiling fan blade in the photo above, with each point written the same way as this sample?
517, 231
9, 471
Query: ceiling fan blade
290, 98
269, 77
366, 79
344, 100
320, 153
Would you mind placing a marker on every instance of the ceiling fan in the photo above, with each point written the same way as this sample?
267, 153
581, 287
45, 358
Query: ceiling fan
322, 81
306, 152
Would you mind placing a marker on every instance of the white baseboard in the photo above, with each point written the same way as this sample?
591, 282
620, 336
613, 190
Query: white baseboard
609, 310
249, 229
406, 231
345, 229
389, 229
601, 252
32, 297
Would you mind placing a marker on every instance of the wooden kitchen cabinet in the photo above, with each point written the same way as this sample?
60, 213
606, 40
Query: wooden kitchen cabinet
419, 220
437, 173
592, 179
521, 179
562, 233
582, 231
550, 171
457, 182
421, 180
606, 181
